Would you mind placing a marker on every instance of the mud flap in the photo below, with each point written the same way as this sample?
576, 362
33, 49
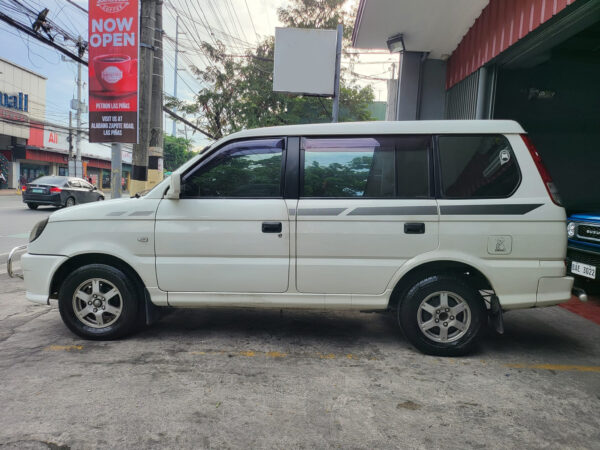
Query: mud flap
495, 313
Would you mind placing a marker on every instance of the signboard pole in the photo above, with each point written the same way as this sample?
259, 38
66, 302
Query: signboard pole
335, 111
115, 170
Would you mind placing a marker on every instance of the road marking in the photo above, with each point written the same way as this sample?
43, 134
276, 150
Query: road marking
19, 235
557, 367
66, 348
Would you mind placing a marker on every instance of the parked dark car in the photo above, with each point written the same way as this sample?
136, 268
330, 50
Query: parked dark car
59, 191
583, 253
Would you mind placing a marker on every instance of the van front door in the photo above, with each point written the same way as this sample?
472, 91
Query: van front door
366, 207
229, 231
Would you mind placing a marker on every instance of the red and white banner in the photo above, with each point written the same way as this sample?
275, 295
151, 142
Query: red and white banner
113, 42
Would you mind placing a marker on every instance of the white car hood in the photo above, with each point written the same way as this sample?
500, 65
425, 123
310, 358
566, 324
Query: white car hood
117, 209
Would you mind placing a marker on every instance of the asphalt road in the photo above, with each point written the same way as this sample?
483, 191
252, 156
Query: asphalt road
228, 378
16, 221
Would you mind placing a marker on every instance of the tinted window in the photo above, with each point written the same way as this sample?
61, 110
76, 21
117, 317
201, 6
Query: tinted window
368, 167
75, 183
477, 167
241, 169
52, 181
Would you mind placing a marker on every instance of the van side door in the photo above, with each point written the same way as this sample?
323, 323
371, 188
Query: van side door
366, 206
229, 231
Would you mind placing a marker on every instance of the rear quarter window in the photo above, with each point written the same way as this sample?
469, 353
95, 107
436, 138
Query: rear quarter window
477, 166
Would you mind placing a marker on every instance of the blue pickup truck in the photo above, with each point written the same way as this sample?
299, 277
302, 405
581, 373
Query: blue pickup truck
583, 253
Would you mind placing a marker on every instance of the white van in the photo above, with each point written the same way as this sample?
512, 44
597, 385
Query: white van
445, 223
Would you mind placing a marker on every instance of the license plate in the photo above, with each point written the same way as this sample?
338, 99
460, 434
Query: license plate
584, 270
37, 191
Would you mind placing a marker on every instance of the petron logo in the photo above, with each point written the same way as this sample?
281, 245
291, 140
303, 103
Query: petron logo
18, 102
112, 6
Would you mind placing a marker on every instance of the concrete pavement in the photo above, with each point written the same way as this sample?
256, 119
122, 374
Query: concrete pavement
269, 379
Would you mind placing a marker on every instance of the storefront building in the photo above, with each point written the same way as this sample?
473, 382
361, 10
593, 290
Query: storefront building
22, 107
31, 148
534, 61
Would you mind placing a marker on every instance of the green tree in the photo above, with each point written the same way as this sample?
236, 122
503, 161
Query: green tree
239, 92
176, 152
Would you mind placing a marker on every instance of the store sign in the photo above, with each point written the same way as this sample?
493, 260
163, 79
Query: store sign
56, 140
18, 102
113, 70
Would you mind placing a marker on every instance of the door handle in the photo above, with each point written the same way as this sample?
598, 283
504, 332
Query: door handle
271, 227
414, 228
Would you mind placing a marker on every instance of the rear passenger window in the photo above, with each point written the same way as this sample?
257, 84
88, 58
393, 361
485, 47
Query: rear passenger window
366, 167
477, 167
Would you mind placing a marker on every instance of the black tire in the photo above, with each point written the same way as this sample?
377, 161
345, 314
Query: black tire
32, 205
100, 198
458, 342
70, 201
129, 301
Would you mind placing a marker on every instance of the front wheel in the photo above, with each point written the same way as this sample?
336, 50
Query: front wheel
442, 315
99, 302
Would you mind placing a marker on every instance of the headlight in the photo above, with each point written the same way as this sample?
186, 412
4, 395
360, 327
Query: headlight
37, 229
571, 229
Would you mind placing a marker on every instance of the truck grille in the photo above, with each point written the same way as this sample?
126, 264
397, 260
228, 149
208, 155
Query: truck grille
588, 232
582, 257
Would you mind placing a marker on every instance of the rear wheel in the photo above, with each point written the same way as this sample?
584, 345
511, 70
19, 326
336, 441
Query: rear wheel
442, 315
100, 198
70, 202
99, 302
32, 205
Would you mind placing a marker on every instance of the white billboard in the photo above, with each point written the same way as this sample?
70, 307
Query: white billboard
304, 61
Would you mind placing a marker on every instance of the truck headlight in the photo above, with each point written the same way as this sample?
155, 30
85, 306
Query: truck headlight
37, 229
571, 229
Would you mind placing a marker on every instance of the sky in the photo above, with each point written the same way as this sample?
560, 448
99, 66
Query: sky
238, 23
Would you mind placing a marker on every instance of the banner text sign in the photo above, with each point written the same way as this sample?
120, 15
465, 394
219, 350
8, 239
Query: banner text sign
113, 43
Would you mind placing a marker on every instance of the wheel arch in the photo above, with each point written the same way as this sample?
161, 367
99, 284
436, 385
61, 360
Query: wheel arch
460, 269
93, 258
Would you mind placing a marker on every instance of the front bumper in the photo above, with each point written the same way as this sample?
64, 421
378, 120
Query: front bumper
38, 271
586, 256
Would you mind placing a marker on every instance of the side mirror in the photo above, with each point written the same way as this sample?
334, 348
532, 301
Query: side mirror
174, 186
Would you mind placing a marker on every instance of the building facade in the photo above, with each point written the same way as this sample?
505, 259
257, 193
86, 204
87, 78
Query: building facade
533, 61
30, 147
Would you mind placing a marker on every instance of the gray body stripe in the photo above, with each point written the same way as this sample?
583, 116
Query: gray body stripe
320, 211
292, 211
116, 213
511, 209
394, 211
141, 213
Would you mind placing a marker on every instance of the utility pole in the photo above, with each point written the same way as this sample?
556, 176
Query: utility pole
174, 132
115, 170
155, 157
139, 173
70, 163
78, 165
335, 110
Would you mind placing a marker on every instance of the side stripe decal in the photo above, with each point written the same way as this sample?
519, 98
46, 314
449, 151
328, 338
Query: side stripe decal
446, 210
476, 210
394, 211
